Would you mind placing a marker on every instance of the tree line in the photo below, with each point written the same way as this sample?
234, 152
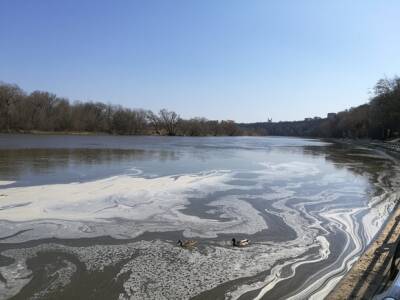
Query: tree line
377, 119
44, 111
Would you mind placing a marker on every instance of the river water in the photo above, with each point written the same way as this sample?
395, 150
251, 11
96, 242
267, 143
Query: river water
100, 216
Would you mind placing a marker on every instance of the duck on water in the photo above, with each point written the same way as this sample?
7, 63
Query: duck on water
187, 244
240, 243
192, 243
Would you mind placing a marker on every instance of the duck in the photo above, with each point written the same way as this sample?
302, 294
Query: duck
240, 243
187, 243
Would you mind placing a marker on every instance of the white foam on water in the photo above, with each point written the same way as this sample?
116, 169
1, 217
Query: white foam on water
346, 220
134, 172
138, 198
123, 206
17, 275
291, 169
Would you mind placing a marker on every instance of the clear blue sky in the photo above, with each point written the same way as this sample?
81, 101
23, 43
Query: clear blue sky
233, 59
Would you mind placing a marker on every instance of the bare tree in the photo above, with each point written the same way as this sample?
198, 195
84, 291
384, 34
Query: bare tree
42, 104
155, 121
10, 95
230, 128
169, 121
139, 121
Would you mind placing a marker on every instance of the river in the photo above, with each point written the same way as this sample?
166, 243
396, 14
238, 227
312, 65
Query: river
100, 216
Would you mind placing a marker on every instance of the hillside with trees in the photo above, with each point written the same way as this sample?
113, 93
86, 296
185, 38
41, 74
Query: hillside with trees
377, 119
45, 112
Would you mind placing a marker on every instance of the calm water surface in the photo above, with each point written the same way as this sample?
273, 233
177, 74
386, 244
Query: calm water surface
99, 216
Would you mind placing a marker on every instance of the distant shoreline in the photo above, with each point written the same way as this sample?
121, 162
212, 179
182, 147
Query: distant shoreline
39, 132
89, 133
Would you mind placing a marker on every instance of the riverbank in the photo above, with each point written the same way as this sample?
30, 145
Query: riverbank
370, 275
95, 133
41, 132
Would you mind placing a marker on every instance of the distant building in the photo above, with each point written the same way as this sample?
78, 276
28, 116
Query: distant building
331, 116
312, 119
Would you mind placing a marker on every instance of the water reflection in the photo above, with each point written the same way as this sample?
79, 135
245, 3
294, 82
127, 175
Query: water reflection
358, 160
94, 158
29, 164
